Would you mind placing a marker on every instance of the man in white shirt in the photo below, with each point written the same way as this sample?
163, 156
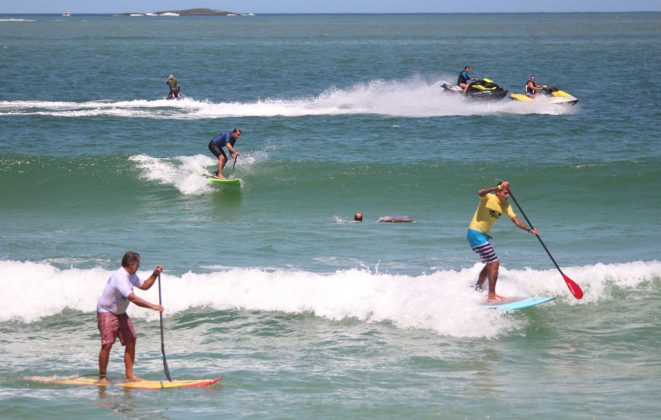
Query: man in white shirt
111, 314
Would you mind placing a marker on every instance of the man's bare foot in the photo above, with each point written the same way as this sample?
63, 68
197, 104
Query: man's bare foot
218, 177
103, 381
133, 378
494, 298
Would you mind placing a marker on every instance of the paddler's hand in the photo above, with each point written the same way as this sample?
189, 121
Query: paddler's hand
158, 308
157, 270
503, 186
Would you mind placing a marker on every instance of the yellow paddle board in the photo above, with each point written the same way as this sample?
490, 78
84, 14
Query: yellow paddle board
179, 383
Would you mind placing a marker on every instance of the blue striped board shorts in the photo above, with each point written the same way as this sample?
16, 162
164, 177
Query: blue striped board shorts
480, 244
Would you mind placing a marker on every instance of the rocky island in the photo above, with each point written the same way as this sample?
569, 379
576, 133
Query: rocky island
186, 12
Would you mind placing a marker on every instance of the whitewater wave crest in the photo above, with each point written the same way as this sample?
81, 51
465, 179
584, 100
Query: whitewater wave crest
442, 301
188, 174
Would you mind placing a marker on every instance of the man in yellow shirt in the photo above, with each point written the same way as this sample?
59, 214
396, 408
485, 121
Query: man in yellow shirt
493, 203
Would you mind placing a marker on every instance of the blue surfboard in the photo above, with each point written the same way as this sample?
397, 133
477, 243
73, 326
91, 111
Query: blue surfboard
517, 304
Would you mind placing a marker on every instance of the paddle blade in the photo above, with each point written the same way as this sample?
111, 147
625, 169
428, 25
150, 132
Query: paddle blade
166, 369
574, 288
160, 317
234, 164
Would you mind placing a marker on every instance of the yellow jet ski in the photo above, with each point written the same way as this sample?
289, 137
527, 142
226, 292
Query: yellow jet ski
551, 95
481, 90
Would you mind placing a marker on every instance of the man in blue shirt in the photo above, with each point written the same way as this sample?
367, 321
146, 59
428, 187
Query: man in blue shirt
464, 79
224, 139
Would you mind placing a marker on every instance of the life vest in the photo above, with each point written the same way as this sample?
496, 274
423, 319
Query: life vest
529, 90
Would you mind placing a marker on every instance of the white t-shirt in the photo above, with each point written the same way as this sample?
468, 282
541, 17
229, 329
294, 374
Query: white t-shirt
115, 296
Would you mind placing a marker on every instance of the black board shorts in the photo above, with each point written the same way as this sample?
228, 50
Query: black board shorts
217, 151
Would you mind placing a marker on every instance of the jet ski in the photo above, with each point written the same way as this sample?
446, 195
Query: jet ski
550, 94
481, 90
175, 94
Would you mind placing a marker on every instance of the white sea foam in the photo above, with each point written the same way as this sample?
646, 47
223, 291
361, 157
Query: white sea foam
188, 174
412, 97
442, 301
340, 220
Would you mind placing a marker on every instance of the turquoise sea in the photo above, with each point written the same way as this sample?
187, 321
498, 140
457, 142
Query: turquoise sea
305, 313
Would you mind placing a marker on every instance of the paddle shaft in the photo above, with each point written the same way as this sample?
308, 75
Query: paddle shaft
234, 164
160, 314
574, 288
532, 227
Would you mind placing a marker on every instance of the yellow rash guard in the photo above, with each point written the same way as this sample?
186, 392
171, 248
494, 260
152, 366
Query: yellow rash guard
488, 211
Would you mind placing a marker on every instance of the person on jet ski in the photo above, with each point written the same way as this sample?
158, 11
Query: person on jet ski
464, 79
532, 88
174, 87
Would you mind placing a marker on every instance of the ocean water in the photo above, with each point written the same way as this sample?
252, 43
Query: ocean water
305, 313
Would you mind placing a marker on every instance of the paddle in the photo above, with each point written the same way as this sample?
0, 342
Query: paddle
574, 288
234, 164
160, 314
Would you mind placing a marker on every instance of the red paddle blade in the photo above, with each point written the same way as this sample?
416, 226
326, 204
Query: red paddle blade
574, 288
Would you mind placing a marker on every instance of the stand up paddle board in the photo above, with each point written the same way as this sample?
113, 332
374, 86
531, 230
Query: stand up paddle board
181, 383
232, 182
518, 303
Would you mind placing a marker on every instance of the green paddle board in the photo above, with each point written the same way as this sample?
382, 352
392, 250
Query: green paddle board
231, 182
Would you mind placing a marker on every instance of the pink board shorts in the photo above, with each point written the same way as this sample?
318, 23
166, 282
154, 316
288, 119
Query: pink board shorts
112, 325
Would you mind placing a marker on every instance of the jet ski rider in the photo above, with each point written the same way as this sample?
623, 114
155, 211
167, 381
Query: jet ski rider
464, 79
174, 87
532, 88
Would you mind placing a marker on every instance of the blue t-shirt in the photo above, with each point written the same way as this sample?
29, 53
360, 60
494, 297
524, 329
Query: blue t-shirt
463, 77
222, 139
